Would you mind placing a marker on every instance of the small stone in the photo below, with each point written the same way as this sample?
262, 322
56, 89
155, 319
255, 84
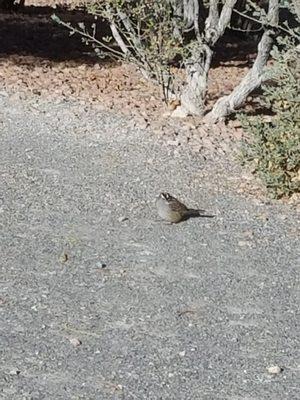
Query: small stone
122, 218
17, 96
235, 123
244, 243
142, 122
179, 112
101, 264
14, 371
248, 234
295, 199
262, 217
274, 370
182, 353
36, 91
75, 342
174, 142
173, 104
64, 257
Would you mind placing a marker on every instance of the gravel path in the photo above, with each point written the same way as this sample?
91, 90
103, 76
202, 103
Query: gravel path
100, 300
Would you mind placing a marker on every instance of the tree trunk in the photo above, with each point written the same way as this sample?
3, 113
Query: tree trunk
193, 95
197, 67
253, 80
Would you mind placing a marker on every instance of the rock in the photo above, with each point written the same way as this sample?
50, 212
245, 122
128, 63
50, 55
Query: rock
295, 199
174, 142
142, 123
14, 371
274, 369
101, 264
75, 342
173, 104
244, 243
64, 257
122, 218
179, 112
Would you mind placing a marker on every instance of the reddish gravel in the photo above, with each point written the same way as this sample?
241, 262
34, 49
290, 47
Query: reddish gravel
39, 58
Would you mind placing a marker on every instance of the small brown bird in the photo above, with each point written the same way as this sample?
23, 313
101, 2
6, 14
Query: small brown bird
172, 210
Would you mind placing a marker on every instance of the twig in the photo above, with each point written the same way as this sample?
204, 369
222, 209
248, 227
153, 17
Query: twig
268, 24
118, 38
88, 36
196, 20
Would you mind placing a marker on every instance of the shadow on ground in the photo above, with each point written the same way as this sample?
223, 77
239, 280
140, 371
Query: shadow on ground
30, 31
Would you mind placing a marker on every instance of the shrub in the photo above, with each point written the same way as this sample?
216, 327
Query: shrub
274, 146
172, 42
148, 33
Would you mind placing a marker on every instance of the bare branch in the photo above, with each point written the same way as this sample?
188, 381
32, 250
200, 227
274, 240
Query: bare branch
127, 24
213, 15
90, 38
254, 78
133, 39
118, 38
225, 16
268, 24
215, 24
212, 19
273, 12
188, 14
196, 20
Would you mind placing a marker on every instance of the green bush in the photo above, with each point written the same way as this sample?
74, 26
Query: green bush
274, 146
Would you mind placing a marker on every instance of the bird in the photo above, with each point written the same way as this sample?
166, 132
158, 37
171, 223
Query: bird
172, 210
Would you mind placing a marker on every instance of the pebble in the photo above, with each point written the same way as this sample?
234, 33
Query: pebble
274, 369
75, 342
15, 371
64, 257
122, 219
243, 243
101, 264
179, 112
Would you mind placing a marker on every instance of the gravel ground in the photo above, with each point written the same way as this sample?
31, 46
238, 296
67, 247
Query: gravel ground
101, 300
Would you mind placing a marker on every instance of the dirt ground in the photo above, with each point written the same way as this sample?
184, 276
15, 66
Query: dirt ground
39, 57
100, 299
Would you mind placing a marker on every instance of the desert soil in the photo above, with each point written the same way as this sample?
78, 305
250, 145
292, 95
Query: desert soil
99, 299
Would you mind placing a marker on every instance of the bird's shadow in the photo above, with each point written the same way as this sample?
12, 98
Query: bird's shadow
186, 217
199, 215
